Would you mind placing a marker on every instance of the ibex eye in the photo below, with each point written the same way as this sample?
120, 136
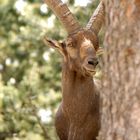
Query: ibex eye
69, 44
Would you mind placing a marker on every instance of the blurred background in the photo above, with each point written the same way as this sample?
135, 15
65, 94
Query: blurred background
30, 72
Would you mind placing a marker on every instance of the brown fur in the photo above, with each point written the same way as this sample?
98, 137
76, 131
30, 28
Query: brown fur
78, 115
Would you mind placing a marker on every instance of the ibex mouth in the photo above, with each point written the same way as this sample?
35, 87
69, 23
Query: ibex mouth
92, 72
89, 71
89, 68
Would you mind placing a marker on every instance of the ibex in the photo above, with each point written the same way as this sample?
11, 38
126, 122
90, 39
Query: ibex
78, 115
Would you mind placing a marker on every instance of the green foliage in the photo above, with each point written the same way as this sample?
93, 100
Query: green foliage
30, 72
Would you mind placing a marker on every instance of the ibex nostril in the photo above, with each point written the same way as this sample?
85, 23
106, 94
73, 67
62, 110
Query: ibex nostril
93, 62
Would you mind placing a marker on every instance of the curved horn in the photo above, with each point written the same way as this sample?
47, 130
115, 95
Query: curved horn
63, 13
96, 20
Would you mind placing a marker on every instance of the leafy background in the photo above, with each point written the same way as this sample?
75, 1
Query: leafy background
30, 72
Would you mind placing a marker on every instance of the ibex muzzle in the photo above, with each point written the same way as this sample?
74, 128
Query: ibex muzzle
78, 116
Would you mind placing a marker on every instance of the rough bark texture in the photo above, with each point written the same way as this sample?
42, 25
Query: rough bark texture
121, 81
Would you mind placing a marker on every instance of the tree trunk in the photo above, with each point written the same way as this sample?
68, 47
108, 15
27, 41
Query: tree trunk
121, 82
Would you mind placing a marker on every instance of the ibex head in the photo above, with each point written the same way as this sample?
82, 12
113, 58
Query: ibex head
80, 48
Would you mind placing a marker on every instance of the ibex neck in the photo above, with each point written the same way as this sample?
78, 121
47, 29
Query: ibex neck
79, 97
74, 83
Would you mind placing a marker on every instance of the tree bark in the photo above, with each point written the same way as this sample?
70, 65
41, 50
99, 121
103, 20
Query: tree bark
120, 105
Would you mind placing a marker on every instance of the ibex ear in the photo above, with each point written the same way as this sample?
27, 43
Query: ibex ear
60, 46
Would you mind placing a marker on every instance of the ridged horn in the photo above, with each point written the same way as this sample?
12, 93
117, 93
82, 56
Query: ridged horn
64, 14
97, 19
